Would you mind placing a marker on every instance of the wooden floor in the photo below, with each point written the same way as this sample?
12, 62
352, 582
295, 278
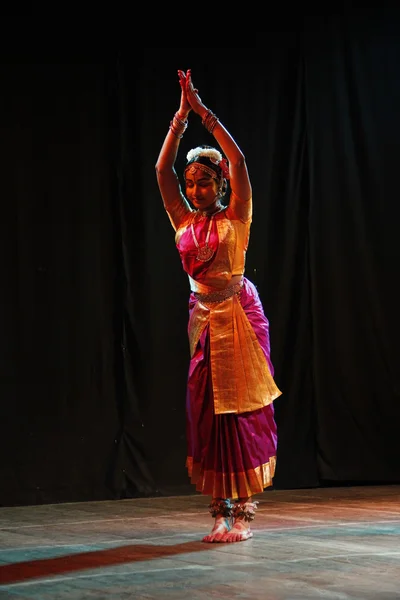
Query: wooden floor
330, 543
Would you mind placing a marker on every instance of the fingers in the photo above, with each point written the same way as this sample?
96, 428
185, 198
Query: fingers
182, 81
186, 83
187, 79
189, 85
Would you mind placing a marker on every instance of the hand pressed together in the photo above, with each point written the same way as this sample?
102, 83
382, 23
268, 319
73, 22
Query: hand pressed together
190, 99
184, 108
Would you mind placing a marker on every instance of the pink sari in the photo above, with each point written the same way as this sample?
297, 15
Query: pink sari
231, 452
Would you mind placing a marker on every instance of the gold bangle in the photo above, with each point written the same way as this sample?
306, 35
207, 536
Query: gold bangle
209, 120
179, 118
177, 126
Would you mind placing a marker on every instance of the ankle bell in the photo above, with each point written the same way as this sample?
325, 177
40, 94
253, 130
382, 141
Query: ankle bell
221, 507
245, 511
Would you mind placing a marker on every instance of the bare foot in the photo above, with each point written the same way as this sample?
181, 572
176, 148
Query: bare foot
220, 529
239, 532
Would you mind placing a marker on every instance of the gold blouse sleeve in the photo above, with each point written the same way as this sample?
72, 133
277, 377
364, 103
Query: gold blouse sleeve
178, 211
240, 210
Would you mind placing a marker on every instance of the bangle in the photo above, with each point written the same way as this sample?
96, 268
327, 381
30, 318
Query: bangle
181, 119
209, 120
178, 126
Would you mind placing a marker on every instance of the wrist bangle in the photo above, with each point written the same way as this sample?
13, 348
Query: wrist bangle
209, 120
178, 126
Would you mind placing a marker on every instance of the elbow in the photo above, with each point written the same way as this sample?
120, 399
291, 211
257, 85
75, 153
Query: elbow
239, 162
160, 170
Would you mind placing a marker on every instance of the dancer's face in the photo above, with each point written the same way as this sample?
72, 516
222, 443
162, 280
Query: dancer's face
201, 190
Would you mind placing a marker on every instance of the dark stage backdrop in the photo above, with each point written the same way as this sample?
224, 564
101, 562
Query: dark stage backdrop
94, 352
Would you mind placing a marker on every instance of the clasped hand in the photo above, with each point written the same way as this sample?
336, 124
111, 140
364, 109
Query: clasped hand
190, 98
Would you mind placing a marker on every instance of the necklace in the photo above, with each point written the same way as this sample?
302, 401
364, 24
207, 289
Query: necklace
204, 253
219, 208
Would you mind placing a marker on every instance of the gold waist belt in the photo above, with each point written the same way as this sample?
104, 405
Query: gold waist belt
220, 295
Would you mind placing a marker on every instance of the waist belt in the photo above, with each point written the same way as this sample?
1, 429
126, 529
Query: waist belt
220, 295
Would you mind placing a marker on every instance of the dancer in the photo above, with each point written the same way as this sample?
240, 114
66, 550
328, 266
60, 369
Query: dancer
231, 430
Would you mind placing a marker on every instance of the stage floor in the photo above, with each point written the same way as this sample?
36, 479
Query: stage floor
331, 543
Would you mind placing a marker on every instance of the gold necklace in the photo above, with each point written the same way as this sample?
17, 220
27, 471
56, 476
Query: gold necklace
219, 208
204, 253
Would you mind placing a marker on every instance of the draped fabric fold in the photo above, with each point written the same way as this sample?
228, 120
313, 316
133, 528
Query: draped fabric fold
241, 377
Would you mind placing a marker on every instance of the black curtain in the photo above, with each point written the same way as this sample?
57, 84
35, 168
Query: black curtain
94, 343
353, 90
59, 403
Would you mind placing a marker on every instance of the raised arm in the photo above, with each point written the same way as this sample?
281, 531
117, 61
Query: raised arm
239, 177
167, 178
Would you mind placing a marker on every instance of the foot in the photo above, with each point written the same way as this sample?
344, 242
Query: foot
220, 529
239, 532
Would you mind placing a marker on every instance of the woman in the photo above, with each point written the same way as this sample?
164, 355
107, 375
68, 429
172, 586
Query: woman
231, 431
